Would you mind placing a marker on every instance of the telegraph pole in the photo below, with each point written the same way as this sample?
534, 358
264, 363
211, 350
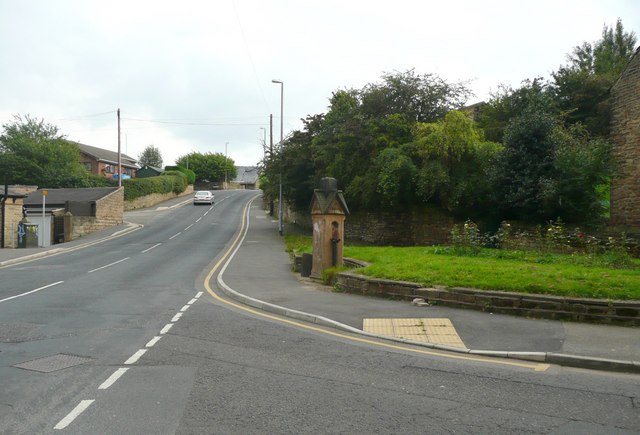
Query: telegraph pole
119, 157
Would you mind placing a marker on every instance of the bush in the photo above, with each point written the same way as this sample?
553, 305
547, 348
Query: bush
191, 176
171, 181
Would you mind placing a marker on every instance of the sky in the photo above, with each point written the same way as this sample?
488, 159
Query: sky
196, 76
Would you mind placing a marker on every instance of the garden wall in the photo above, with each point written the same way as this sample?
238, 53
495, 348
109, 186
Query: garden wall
625, 313
154, 198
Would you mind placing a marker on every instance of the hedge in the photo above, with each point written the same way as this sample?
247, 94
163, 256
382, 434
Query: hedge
191, 176
170, 181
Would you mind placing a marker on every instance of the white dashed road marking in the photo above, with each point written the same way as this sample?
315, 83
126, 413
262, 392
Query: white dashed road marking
113, 378
82, 406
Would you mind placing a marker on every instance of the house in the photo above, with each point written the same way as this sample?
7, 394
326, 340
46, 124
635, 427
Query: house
625, 133
247, 177
105, 163
148, 171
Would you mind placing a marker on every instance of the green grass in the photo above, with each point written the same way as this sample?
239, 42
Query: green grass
527, 272
496, 269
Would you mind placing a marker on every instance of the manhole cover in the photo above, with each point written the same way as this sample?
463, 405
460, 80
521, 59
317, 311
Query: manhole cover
53, 363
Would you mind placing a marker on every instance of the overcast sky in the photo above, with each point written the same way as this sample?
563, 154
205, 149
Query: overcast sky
195, 75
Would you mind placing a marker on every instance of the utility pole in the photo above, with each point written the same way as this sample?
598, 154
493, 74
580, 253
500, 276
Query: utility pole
4, 201
119, 157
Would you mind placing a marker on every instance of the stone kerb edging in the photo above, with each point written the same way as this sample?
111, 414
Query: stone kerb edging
626, 313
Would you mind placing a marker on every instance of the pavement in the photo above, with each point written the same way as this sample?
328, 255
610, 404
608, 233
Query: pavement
260, 274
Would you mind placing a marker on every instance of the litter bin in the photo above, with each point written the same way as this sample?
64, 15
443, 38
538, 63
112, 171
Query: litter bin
307, 264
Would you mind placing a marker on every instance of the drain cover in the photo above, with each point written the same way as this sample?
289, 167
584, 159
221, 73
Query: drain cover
53, 363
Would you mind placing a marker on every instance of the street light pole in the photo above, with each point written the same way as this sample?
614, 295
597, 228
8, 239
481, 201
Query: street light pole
225, 165
280, 224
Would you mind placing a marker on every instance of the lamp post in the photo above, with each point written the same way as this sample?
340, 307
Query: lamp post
225, 164
280, 225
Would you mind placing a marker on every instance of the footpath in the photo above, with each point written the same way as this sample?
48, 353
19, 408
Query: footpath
260, 274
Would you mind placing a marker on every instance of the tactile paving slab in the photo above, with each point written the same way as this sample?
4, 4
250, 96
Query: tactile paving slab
53, 363
435, 331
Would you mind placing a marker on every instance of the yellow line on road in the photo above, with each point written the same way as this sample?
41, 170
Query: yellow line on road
245, 216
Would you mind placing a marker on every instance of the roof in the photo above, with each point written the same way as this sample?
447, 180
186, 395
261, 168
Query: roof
107, 156
153, 168
247, 175
61, 196
325, 199
633, 58
17, 191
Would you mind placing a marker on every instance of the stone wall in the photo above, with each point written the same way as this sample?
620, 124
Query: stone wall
420, 226
625, 132
13, 215
154, 198
109, 213
625, 313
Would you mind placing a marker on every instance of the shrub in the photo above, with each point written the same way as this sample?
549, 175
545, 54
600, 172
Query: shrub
172, 181
191, 176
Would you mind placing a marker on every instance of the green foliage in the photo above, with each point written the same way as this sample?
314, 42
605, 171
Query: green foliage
150, 156
548, 171
170, 181
209, 166
608, 55
34, 152
191, 176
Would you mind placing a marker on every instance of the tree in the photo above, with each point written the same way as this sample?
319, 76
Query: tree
608, 55
209, 166
549, 171
35, 152
150, 156
581, 88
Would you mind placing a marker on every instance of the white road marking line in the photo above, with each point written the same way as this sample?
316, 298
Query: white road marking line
153, 341
82, 406
185, 308
198, 295
135, 357
113, 378
188, 227
166, 328
205, 213
176, 317
109, 265
192, 301
199, 219
149, 249
29, 292
175, 235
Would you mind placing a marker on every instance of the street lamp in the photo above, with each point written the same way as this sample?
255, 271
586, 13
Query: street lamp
226, 168
280, 226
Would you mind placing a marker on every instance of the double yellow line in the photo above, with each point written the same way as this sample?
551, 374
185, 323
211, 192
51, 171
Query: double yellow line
243, 230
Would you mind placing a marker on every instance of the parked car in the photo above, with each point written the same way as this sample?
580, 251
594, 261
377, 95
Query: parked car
203, 197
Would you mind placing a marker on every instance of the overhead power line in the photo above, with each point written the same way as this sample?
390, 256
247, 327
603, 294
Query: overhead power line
223, 124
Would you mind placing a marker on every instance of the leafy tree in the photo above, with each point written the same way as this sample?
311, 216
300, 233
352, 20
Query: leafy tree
150, 156
548, 171
609, 55
581, 88
455, 162
209, 166
35, 152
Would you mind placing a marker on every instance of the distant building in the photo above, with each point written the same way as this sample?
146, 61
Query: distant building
148, 171
103, 162
247, 177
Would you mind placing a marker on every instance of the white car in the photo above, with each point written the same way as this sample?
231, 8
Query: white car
203, 197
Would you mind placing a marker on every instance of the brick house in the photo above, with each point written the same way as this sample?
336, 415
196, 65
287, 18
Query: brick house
105, 163
625, 132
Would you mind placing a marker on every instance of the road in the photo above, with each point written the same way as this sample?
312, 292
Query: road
149, 350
